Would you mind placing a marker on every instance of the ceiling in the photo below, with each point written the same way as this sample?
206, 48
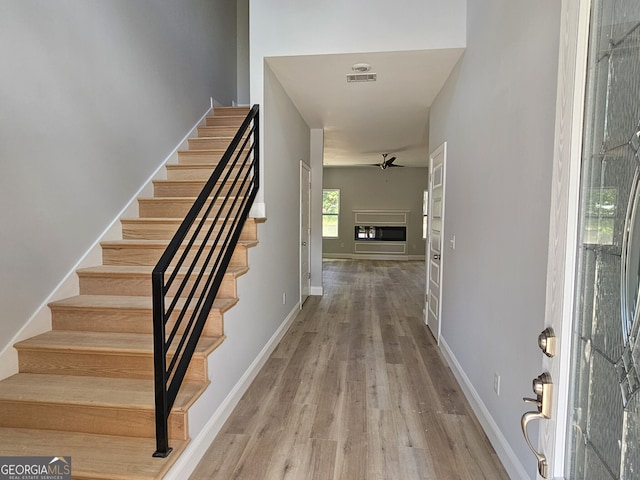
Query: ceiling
362, 120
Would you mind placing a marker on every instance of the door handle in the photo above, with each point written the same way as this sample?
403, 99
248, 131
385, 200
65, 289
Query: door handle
542, 388
436, 256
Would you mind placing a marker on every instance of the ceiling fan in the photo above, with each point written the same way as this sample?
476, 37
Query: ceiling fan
386, 163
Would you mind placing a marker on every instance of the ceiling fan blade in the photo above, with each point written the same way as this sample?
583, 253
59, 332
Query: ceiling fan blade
390, 161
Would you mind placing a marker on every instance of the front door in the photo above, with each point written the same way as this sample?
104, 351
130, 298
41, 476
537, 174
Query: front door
435, 219
594, 426
604, 402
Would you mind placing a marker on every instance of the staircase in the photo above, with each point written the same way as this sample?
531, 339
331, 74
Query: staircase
85, 389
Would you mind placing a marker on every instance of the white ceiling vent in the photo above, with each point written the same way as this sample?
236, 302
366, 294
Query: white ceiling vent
362, 77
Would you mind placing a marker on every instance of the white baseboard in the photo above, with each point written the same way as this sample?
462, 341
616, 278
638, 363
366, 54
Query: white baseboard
507, 456
196, 449
316, 291
258, 210
40, 321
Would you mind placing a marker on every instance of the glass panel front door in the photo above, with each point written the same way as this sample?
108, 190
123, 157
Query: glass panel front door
604, 420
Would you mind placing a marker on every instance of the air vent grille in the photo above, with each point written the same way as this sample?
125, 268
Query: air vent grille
362, 77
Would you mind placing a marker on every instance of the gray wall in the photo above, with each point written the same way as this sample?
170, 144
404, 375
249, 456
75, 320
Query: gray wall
94, 95
364, 188
250, 326
497, 114
243, 52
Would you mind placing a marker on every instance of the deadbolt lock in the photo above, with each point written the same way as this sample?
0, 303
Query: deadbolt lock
547, 342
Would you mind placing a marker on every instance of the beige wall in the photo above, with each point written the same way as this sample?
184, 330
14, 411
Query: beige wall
369, 188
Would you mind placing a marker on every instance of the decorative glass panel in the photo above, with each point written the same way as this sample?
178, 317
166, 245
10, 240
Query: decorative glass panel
604, 425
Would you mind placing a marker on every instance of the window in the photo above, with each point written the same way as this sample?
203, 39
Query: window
330, 212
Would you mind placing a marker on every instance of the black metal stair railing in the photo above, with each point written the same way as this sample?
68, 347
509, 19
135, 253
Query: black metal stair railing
188, 276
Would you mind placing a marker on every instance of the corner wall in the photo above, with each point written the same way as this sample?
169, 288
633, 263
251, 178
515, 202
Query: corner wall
497, 113
95, 95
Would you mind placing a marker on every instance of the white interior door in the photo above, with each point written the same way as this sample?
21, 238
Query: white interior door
305, 232
435, 219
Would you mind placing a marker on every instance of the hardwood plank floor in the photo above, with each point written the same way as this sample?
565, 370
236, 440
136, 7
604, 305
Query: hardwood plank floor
357, 390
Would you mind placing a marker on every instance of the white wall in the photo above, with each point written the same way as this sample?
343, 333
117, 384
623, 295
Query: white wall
283, 27
94, 96
497, 114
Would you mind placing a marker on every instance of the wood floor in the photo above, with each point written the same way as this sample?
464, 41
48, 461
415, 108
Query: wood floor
357, 390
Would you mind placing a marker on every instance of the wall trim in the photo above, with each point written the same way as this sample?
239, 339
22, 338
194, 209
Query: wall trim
40, 321
371, 256
196, 449
504, 451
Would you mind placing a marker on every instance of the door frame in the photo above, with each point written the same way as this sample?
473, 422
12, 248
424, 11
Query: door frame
442, 149
563, 226
305, 186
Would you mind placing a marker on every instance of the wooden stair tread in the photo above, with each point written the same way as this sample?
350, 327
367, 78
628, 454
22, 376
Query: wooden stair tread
190, 200
155, 220
202, 151
202, 166
142, 270
128, 302
93, 456
181, 182
214, 137
105, 342
103, 392
141, 243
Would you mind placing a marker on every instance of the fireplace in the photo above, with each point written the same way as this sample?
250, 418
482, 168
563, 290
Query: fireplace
380, 233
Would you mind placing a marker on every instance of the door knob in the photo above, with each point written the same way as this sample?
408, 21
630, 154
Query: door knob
547, 342
304, 244
542, 388
436, 256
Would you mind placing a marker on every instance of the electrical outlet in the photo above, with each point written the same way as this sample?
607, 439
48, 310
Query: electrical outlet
496, 383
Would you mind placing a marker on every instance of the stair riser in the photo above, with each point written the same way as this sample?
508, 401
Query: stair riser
231, 111
193, 172
224, 121
185, 189
149, 256
173, 208
140, 285
100, 365
217, 131
109, 320
166, 230
221, 143
126, 422
195, 157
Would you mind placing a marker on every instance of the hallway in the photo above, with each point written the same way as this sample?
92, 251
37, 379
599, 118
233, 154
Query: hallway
356, 390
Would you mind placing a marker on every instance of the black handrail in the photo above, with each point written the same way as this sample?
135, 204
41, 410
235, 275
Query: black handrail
201, 249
